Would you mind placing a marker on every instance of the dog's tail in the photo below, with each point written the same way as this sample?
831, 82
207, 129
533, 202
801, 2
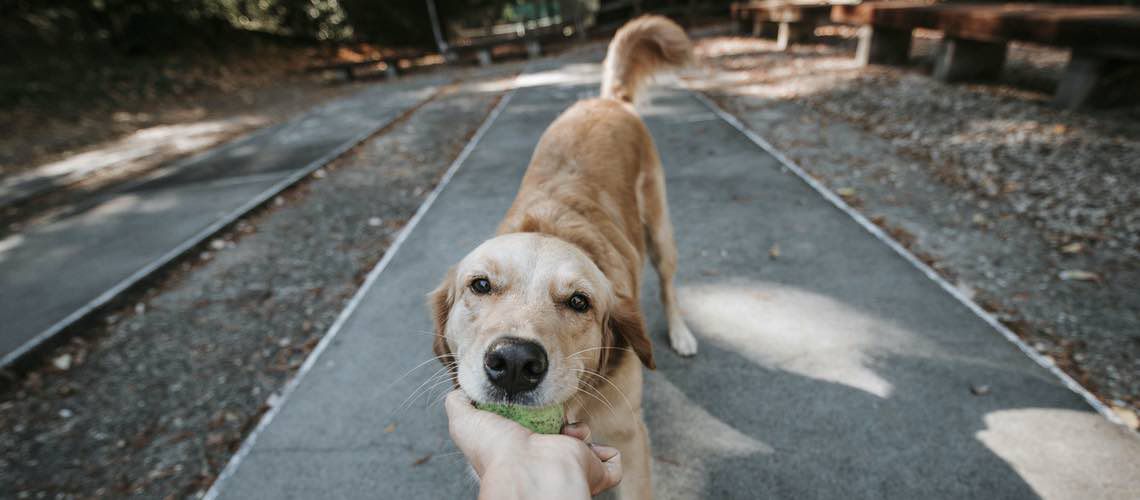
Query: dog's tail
639, 49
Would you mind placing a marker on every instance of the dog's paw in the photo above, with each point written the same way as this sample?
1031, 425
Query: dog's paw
682, 340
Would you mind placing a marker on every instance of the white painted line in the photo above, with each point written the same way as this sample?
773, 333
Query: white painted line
350, 308
194, 240
902, 251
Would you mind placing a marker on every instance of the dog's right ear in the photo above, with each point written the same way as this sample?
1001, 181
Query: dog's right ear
440, 301
626, 328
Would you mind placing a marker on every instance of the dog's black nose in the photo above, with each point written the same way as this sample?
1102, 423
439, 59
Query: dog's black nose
515, 365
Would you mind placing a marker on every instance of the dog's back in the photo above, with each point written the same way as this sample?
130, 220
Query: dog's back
590, 161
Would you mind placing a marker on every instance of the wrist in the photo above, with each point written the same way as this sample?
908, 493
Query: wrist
544, 470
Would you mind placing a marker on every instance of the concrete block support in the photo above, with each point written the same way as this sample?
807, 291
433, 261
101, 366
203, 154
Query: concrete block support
960, 59
765, 29
1093, 80
879, 45
794, 33
533, 49
740, 25
1080, 80
484, 57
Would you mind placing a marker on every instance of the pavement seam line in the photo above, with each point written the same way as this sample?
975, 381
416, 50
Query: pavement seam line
373, 275
930, 273
229, 218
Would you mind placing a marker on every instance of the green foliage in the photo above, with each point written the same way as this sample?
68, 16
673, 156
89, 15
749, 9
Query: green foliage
145, 26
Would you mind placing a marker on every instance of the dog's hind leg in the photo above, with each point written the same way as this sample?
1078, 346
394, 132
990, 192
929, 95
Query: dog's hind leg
663, 253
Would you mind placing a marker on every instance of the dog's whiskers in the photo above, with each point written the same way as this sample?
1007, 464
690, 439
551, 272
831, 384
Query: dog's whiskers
445, 371
603, 396
600, 400
445, 382
608, 381
414, 368
599, 348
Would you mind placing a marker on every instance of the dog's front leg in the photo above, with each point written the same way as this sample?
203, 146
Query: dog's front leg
636, 460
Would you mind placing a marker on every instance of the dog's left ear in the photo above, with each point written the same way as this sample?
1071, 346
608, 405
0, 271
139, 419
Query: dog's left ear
440, 301
625, 326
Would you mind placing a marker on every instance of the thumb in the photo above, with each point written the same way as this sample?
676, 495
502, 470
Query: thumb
463, 422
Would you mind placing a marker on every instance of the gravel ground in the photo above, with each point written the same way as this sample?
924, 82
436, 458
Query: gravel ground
153, 401
1032, 210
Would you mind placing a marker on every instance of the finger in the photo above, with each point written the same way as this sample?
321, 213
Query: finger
474, 431
459, 421
457, 403
577, 430
459, 411
604, 453
603, 475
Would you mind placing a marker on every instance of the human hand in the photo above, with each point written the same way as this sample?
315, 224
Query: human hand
513, 462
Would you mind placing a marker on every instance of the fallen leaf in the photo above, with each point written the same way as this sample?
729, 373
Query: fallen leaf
390, 428
845, 192
422, 460
215, 439
979, 390
62, 363
774, 252
1073, 248
1128, 416
1078, 275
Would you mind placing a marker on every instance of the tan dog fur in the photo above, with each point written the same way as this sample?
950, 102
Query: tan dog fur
591, 207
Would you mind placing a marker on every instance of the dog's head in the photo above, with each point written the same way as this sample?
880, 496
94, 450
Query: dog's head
525, 318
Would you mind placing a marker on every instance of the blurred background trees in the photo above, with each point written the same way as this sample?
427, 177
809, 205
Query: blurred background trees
154, 26
149, 26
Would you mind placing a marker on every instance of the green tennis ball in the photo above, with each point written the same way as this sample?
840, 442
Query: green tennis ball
545, 420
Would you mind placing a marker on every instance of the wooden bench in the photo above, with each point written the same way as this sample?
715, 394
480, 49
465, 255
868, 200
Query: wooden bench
347, 69
1105, 40
790, 21
483, 47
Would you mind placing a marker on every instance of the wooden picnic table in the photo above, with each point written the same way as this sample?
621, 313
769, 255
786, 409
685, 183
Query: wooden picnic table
1103, 39
483, 47
346, 69
790, 21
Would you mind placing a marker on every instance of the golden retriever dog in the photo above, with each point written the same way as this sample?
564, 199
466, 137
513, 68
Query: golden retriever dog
547, 312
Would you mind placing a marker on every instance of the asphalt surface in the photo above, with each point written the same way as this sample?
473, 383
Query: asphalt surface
829, 365
56, 272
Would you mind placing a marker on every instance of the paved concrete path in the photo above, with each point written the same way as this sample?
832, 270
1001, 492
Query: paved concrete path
837, 370
55, 273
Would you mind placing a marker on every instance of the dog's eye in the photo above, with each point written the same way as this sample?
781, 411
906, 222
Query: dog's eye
578, 302
481, 286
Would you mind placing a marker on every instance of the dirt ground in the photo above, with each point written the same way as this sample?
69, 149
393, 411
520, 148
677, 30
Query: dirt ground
152, 402
1033, 211
62, 106
165, 109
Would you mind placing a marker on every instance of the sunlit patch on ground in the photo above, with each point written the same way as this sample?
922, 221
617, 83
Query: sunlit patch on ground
140, 150
1016, 437
784, 328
